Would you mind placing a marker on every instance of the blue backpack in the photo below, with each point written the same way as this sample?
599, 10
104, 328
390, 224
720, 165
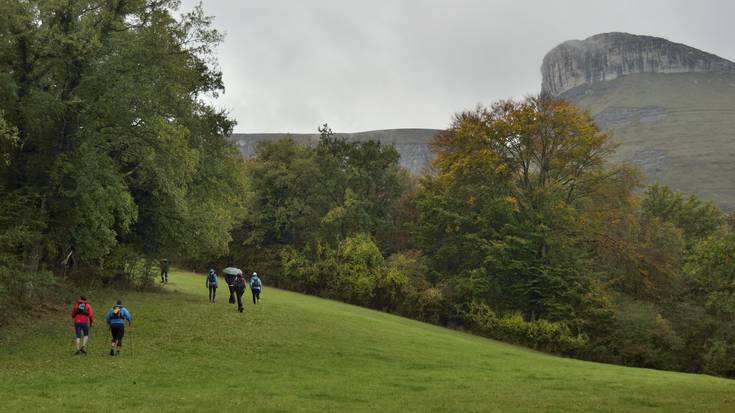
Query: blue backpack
82, 309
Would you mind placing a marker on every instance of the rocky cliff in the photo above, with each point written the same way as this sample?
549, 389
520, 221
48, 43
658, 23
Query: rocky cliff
608, 56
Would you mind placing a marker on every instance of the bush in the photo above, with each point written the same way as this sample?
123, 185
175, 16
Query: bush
404, 278
643, 337
429, 305
553, 337
21, 290
719, 358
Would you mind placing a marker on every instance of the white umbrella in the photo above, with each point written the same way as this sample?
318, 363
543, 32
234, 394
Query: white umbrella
231, 271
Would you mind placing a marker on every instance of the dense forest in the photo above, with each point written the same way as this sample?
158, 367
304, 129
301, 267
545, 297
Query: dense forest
111, 158
521, 231
110, 155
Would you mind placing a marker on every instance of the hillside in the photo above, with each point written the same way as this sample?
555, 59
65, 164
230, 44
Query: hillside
298, 353
680, 128
670, 107
412, 144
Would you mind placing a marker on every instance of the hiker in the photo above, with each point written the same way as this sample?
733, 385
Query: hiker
230, 279
115, 318
83, 318
212, 283
239, 286
165, 265
255, 286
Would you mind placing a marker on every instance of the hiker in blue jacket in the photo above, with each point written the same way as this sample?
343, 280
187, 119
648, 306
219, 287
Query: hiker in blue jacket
255, 286
115, 318
212, 283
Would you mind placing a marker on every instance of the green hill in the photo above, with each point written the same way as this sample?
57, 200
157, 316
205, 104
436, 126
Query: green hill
298, 353
679, 127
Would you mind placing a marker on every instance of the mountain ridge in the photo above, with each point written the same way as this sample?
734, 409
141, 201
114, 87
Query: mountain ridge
607, 56
413, 144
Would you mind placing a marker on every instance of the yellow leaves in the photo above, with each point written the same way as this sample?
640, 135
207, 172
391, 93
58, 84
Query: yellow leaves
512, 202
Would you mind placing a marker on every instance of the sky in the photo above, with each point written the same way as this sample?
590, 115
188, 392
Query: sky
292, 65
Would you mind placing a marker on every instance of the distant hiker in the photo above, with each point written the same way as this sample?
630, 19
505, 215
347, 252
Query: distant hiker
239, 285
230, 275
255, 286
115, 318
212, 283
83, 318
165, 265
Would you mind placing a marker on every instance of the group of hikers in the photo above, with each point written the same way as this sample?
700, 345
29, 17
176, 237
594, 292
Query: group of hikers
84, 318
117, 315
236, 283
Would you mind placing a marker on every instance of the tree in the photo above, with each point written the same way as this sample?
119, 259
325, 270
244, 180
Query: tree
697, 219
711, 269
115, 147
502, 218
363, 183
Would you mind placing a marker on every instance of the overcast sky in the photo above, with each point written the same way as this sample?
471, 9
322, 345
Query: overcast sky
291, 65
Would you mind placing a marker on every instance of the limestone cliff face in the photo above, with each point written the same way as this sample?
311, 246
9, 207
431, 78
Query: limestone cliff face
610, 55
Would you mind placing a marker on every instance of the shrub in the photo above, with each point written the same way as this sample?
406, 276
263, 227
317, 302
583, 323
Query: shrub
21, 289
554, 337
719, 358
644, 337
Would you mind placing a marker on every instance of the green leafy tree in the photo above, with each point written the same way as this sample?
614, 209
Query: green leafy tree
711, 268
501, 216
115, 146
363, 183
696, 218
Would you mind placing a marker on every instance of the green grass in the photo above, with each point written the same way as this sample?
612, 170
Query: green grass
696, 137
299, 353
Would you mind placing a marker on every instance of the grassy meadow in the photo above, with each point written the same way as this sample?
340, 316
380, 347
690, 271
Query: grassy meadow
293, 352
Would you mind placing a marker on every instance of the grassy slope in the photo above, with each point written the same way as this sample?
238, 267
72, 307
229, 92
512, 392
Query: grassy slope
294, 352
697, 135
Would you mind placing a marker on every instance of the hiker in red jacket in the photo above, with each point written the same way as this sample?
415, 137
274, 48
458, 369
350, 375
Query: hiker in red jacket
83, 318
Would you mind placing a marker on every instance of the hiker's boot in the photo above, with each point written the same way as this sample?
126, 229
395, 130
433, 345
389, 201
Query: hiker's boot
112, 352
76, 353
83, 350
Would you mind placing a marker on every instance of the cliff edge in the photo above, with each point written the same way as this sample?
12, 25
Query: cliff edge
608, 56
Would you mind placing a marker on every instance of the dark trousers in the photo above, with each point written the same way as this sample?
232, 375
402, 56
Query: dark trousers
212, 293
117, 331
256, 294
239, 299
164, 275
232, 294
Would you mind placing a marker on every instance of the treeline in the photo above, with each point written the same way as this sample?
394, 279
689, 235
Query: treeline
110, 159
521, 231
